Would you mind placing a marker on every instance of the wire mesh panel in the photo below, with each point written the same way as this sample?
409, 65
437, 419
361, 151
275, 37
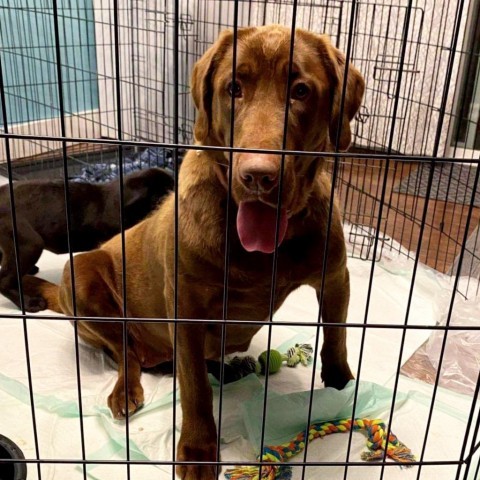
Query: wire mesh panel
90, 91
380, 30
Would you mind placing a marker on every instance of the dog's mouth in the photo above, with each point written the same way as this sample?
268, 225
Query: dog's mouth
256, 226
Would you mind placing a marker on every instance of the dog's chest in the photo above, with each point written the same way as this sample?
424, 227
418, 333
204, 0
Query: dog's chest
255, 288
297, 264
256, 284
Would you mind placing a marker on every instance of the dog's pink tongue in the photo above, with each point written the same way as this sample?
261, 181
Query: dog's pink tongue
256, 223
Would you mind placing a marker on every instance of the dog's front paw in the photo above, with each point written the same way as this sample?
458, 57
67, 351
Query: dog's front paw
336, 375
117, 403
205, 452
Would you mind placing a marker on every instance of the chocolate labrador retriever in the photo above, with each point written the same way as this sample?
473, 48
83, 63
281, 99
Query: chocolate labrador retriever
95, 217
260, 95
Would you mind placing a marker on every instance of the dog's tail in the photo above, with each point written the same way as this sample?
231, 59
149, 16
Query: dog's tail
35, 286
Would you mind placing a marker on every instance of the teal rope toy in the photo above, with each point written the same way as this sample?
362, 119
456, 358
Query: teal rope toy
376, 442
300, 353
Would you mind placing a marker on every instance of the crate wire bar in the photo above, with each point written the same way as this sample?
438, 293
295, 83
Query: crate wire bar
90, 81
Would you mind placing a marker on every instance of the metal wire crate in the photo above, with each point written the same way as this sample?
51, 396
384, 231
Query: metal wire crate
89, 81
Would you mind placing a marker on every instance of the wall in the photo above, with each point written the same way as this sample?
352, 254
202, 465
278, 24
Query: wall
380, 30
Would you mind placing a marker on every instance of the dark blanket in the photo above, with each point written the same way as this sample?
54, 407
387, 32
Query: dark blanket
105, 172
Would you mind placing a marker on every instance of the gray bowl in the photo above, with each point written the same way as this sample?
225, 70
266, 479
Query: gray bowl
11, 470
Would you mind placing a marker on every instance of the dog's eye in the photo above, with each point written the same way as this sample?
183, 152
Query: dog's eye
234, 89
300, 91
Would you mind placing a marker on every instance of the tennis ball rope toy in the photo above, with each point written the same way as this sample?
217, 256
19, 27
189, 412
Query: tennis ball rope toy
300, 353
376, 442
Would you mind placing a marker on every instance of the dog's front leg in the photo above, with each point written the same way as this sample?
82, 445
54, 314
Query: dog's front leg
334, 303
198, 439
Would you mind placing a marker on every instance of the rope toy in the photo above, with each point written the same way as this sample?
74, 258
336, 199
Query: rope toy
376, 442
300, 353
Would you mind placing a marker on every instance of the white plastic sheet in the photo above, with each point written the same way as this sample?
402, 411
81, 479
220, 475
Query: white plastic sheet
52, 355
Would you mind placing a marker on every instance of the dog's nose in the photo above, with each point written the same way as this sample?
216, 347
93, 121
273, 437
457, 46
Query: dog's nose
258, 174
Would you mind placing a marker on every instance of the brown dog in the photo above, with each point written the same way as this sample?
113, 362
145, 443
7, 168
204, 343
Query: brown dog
94, 218
260, 91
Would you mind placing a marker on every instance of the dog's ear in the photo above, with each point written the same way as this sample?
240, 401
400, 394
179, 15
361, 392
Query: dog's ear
202, 84
334, 62
136, 186
152, 184
134, 190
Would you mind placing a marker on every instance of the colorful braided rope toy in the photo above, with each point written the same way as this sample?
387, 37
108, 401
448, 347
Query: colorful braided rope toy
376, 442
300, 353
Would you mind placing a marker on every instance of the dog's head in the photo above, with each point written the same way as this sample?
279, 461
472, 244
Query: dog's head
143, 190
260, 94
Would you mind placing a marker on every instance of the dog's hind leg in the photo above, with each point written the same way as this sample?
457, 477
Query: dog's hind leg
96, 296
30, 247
